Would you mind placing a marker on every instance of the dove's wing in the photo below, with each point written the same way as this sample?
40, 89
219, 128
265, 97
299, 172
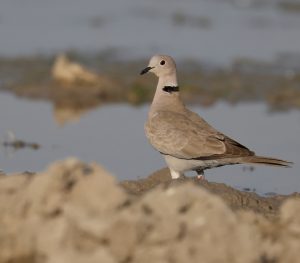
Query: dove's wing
187, 136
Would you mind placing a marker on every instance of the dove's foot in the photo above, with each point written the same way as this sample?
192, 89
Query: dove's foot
200, 175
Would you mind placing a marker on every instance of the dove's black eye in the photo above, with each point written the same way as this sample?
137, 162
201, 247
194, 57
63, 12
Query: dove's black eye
162, 62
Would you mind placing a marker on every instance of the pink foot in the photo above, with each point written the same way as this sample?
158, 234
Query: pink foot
200, 177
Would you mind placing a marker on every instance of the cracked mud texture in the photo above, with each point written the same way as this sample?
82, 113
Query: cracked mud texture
77, 212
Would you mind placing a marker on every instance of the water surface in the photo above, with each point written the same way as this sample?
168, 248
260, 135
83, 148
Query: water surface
210, 30
114, 137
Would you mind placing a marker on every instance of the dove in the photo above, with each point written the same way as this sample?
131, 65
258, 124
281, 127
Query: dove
185, 140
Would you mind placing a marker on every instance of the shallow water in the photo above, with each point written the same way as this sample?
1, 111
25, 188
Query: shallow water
214, 31
113, 136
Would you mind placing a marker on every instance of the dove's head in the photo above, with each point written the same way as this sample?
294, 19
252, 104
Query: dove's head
161, 66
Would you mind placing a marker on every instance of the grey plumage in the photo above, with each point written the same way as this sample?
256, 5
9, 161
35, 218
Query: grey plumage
186, 140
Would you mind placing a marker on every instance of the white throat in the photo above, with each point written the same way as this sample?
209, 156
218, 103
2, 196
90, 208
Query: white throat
169, 80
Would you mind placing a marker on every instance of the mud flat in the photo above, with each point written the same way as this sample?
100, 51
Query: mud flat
88, 82
77, 212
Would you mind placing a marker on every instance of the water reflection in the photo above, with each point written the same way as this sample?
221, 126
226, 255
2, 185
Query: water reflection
113, 136
64, 115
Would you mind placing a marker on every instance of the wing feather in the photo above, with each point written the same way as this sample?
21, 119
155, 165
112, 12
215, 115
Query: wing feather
188, 136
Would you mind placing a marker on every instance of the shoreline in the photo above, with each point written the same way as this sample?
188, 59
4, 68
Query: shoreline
119, 82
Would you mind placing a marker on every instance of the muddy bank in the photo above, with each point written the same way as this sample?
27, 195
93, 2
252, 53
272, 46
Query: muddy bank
77, 212
119, 81
235, 199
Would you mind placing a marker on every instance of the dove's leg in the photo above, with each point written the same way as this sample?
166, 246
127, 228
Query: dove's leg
175, 174
200, 174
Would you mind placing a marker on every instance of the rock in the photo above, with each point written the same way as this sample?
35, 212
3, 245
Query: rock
76, 90
68, 72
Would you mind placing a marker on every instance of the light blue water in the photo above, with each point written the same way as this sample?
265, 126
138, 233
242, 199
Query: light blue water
140, 28
114, 137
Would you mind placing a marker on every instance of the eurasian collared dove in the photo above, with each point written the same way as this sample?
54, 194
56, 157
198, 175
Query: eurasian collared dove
188, 142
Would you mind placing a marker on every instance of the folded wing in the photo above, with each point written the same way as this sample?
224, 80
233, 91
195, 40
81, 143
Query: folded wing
187, 136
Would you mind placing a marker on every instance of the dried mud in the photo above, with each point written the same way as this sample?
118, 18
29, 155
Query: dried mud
235, 199
77, 212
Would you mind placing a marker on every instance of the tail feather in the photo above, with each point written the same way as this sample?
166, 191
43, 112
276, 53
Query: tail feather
266, 160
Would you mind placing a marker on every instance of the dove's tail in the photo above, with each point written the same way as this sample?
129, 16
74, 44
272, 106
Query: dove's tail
266, 160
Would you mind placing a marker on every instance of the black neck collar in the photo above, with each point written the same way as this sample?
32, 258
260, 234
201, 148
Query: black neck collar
171, 89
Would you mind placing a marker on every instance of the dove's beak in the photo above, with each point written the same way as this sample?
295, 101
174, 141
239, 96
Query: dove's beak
145, 70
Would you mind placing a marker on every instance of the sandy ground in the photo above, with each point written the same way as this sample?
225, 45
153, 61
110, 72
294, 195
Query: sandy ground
77, 212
